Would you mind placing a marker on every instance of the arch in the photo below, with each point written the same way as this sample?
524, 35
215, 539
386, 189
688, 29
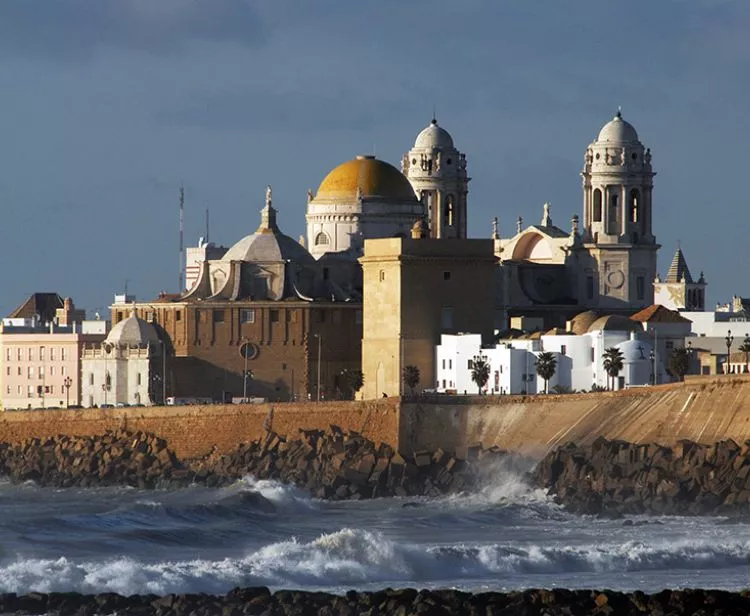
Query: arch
449, 213
597, 216
322, 239
613, 220
634, 205
531, 247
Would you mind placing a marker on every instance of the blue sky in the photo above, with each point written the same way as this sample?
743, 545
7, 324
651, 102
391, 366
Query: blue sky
109, 105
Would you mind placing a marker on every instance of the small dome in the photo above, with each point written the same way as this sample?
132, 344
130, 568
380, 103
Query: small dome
132, 331
434, 136
580, 323
615, 323
266, 247
617, 130
634, 350
365, 177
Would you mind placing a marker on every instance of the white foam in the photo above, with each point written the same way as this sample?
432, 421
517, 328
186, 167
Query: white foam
280, 494
353, 558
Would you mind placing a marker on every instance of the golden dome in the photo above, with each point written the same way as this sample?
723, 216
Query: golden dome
366, 177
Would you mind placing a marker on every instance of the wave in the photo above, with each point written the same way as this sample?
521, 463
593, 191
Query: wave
356, 558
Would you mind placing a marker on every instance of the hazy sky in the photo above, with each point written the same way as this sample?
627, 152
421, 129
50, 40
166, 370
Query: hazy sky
109, 105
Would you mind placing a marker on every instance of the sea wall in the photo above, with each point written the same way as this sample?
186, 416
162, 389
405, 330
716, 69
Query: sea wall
194, 431
704, 410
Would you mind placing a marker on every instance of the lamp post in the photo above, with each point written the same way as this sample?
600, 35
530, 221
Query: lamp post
66, 384
729, 340
43, 375
244, 370
746, 346
652, 357
320, 344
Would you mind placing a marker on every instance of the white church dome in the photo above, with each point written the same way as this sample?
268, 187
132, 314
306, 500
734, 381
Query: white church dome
133, 331
617, 130
434, 136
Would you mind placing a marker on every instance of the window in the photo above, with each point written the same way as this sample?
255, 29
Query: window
589, 287
19, 390
30, 391
30, 354
20, 371
382, 275
291, 315
19, 357
247, 316
218, 315
63, 370
7, 390
91, 378
450, 364
449, 211
593, 359
52, 371
52, 353
178, 315
470, 365
669, 345
64, 354
563, 349
446, 318
640, 287
321, 239
41, 372
597, 205
107, 381
274, 315
30, 372
326, 273
443, 364
446, 275
139, 379
634, 205
41, 354
7, 354
150, 316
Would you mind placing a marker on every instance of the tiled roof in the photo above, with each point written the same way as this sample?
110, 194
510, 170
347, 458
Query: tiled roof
656, 313
42, 305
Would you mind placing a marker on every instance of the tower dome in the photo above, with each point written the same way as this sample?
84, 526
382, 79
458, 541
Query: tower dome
617, 130
434, 136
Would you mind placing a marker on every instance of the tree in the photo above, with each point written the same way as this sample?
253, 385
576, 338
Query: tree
613, 363
679, 363
410, 376
480, 371
546, 365
352, 381
745, 348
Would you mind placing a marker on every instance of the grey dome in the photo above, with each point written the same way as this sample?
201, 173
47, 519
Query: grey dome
133, 331
268, 247
434, 136
617, 130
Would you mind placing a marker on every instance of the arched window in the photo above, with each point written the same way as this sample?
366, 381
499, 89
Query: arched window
634, 205
322, 239
597, 205
449, 213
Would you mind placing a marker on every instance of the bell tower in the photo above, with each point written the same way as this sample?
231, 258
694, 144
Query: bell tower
617, 213
437, 171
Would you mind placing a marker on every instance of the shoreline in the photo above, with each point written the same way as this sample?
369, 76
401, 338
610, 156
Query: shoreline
404, 602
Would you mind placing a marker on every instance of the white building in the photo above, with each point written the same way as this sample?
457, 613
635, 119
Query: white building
125, 369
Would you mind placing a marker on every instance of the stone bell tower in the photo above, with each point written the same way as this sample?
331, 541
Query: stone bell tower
617, 213
437, 171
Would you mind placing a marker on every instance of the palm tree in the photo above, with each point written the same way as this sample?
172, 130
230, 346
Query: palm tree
613, 362
353, 381
679, 363
745, 348
546, 365
480, 371
410, 376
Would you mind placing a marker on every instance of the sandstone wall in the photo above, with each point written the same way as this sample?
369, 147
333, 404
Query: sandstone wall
195, 430
703, 410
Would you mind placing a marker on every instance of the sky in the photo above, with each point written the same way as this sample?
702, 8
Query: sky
109, 106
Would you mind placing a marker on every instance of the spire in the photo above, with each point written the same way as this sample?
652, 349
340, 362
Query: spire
519, 224
678, 270
268, 215
495, 234
619, 112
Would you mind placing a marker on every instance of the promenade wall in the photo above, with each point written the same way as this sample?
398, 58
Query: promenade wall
706, 409
193, 431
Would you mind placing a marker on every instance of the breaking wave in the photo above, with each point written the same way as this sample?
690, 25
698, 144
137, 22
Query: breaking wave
353, 558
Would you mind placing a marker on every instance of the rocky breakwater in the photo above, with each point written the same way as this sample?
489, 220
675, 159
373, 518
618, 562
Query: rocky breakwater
403, 602
329, 464
620, 478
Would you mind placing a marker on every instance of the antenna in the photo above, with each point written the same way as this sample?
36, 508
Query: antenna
182, 239
126, 289
206, 225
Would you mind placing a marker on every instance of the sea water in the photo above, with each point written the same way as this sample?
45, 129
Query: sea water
198, 539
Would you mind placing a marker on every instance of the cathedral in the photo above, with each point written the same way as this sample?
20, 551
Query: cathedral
282, 318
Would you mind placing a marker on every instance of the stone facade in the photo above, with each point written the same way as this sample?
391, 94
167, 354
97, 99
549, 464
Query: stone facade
415, 290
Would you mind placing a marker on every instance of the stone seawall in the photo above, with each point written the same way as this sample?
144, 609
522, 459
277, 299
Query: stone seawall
194, 431
702, 410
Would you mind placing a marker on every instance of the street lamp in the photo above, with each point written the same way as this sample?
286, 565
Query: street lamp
320, 344
729, 340
652, 357
746, 346
66, 384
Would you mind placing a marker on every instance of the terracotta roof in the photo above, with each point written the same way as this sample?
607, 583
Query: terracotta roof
656, 313
42, 305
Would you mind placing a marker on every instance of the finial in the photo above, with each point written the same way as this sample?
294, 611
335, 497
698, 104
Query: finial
574, 224
619, 111
519, 224
309, 195
495, 234
268, 214
546, 219
269, 198
434, 114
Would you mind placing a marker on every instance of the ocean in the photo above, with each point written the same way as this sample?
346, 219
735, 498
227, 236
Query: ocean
506, 536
